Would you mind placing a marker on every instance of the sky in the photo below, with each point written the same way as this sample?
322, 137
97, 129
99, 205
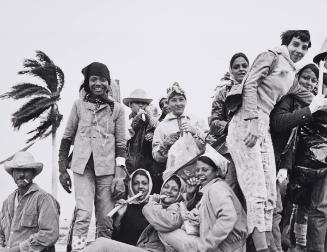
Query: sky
146, 44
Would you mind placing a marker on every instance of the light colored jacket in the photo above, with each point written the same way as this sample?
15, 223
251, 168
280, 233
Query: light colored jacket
166, 127
33, 225
223, 224
98, 131
267, 82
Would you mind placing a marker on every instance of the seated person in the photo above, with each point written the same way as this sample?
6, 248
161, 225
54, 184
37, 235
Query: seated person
129, 221
221, 218
29, 216
163, 214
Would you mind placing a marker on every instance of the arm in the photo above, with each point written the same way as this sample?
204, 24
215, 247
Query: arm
68, 137
163, 219
2, 229
218, 120
259, 70
284, 118
226, 218
48, 226
120, 137
159, 152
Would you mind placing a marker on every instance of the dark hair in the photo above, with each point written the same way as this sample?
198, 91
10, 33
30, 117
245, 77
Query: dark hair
161, 102
141, 173
176, 179
311, 66
208, 161
237, 55
303, 35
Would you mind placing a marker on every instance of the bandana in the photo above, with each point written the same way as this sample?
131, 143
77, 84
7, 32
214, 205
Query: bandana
175, 89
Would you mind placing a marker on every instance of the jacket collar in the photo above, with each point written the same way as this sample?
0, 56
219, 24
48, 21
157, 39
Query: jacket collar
206, 187
170, 116
93, 107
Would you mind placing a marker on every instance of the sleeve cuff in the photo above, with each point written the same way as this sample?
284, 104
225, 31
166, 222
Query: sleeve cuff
120, 161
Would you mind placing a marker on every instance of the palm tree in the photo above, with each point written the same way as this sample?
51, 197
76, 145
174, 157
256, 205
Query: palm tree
42, 103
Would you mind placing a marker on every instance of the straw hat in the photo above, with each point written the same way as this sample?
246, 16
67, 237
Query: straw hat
138, 95
23, 160
323, 53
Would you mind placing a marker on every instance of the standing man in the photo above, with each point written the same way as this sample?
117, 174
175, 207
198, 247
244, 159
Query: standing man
29, 216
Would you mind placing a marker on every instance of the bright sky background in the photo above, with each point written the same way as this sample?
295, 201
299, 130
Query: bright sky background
146, 44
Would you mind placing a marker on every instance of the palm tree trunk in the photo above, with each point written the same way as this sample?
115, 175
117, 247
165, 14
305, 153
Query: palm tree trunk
54, 178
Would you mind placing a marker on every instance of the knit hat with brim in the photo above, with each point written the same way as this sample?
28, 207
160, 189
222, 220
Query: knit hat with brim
138, 95
23, 160
323, 53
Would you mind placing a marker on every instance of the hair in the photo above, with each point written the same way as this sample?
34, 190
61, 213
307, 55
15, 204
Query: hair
208, 161
177, 180
303, 35
237, 55
312, 67
141, 173
160, 102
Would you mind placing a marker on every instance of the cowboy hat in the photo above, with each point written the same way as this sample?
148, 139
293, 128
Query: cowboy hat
323, 53
23, 160
138, 95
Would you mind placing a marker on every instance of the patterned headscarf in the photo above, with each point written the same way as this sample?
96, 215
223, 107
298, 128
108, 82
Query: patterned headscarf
175, 89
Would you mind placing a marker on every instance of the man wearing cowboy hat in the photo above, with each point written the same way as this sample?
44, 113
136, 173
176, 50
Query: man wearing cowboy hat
142, 124
29, 216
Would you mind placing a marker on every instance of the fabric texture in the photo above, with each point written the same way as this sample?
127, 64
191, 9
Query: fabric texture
97, 130
33, 225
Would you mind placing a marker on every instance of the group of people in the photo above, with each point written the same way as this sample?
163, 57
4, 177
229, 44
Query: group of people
269, 126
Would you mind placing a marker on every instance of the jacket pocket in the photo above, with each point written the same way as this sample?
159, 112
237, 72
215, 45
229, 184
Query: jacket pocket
29, 220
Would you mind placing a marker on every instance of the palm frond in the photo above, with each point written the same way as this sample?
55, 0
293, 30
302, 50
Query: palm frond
42, 57
31, 110
30, 63
25, 90
52, 120
60, 78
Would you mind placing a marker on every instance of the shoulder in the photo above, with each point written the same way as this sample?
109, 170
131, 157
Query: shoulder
219, 187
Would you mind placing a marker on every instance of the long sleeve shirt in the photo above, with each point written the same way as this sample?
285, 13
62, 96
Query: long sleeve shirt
32, 223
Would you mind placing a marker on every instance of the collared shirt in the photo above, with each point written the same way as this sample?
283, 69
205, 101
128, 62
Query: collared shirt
32, 223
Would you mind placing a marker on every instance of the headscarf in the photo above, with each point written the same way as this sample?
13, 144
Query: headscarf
182, 188
131, 193
175, 89
237, 55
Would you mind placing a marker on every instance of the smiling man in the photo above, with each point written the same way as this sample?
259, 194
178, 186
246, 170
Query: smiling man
29, 216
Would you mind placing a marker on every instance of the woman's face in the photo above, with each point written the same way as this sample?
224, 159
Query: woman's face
99, 86
171, 191
165, 107
177, 104
140, 183
308, 79
205, 173
297, 49
239, 69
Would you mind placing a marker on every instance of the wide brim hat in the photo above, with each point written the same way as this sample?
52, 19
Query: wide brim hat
138, 95
323, 53
23, 160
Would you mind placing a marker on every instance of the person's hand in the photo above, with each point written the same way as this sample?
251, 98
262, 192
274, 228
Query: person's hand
192, 185
188, 127
148, 137
170, 140
65, 181
154, 198
252, 136
317, 103
281, 175
122, 210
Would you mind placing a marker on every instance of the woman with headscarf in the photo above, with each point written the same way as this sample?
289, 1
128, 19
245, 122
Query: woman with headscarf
129, 222
270, 77
173, 125
163, 214
221, 218
96, 128
220, 116
290, 120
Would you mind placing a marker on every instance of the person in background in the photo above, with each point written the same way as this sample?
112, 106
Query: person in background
270, 77
129, 221
163, 105
163, 214
173, 125
289, 113
29, 216
214, 210
96, 128
220, 116
139, 145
